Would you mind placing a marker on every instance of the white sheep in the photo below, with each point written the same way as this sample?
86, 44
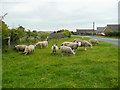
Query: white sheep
94, 41
45, 43
84, 43
42, 44
74, 46
65, 43
66, 49
54, 48
29, 49
20, 47
77, 40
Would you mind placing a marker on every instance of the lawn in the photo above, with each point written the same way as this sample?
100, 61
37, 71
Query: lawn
94, 68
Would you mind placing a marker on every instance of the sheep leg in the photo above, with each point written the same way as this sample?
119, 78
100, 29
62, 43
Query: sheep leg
91, 47
61, 54
25, 53
85, 49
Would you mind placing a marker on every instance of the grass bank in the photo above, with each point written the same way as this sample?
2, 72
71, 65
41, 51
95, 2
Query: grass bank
94, 68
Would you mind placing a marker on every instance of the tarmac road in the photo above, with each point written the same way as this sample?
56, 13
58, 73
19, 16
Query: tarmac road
107, 40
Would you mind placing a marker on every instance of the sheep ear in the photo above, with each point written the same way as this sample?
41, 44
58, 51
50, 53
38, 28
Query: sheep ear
56, 44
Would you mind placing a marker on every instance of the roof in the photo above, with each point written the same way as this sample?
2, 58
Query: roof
100, 29
114, 27
85, 30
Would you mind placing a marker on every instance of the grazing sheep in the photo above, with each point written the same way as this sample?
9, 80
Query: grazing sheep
65, 43
72, 45
20, 47
45, 43
42, 44
29, 49
94, 41
66, 49
76, 40
54, 48
84, 43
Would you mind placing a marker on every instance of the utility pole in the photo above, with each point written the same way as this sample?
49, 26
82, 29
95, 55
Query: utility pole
93, 28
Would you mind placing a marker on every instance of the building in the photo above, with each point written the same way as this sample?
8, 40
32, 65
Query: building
86, 31
100, 29
112, 27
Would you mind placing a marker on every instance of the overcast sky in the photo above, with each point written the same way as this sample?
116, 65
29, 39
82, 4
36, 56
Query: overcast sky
59, 14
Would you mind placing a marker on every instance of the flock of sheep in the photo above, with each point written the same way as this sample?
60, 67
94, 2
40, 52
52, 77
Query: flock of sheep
66, 47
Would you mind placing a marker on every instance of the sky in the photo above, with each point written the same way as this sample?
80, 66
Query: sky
53, 15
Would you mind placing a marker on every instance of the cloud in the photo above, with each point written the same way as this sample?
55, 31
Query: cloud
57, 14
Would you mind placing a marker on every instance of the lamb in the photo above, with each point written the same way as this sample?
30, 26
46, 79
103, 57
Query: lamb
66, 49
54, 48
42, 44
94, 41
84, 43
20, 47
29, 49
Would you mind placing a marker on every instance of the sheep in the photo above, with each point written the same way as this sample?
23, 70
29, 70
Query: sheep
45, 43
20, 47
66, 49
42, 44
29, 49
94, 41
54, 48
65, 43
84, 43
73, 46
76, 40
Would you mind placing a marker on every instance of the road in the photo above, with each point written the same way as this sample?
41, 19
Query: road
107, 40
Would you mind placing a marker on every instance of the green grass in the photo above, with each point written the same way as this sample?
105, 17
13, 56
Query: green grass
94, 68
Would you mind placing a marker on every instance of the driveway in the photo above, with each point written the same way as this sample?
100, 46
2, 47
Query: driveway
107, 40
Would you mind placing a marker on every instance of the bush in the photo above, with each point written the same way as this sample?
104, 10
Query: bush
56, 36
67, 33
43, 35
112, 33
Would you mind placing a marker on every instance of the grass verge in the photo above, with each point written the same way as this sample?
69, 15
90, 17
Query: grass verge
94, 68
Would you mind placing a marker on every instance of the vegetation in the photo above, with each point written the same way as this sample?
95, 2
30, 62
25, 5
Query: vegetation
94, 68
112, 33
20, 35
66, 32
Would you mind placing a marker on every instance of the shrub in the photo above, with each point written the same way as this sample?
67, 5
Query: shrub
65, 32
56, 36
112, 33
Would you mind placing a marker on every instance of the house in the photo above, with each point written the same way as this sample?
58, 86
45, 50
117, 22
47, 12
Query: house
112, 27
100, 29
86, 31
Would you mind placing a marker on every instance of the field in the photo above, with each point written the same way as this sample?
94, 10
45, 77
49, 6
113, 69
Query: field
94, 68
